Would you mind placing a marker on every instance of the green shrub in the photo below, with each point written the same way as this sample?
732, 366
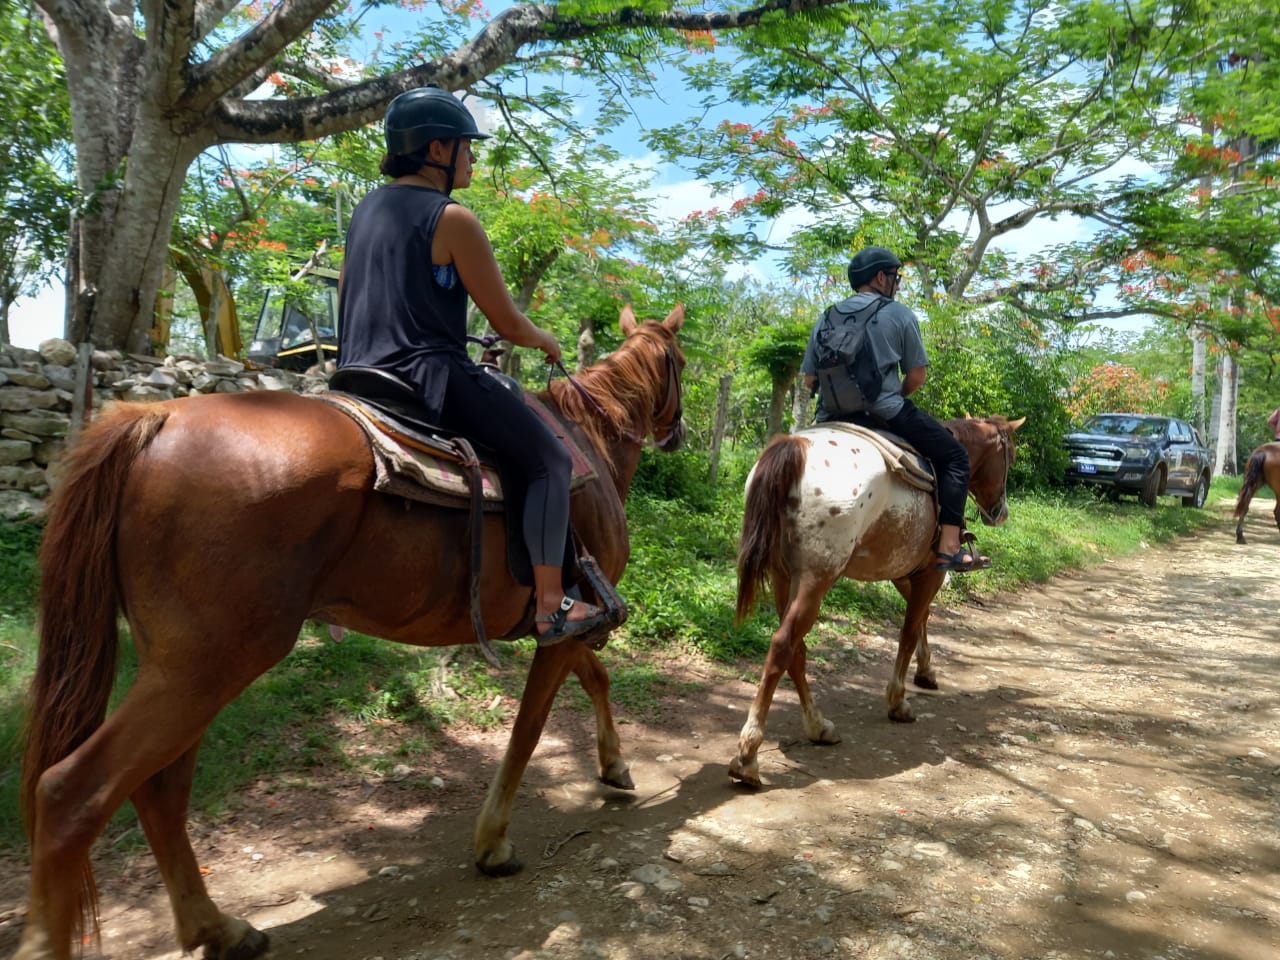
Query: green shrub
19, 575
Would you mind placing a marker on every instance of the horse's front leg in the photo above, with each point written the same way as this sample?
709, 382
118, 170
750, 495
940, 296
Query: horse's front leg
926, 676
919, 591
595, 681
799, 617
551, 665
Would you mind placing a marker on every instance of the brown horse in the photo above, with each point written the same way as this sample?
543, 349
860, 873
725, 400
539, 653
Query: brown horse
821, 505
1263, 467
218, 524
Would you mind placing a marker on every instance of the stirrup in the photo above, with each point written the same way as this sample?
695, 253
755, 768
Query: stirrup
612, 606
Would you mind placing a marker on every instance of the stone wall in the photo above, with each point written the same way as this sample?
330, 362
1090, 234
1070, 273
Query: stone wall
36, 395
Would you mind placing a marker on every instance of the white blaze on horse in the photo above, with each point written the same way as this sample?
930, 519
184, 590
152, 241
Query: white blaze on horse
824, 504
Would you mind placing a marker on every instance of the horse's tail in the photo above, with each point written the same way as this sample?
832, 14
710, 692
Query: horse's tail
79, 600
770, 491
1254, 474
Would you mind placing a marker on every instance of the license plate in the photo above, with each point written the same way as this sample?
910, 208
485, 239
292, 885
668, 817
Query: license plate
1088, 468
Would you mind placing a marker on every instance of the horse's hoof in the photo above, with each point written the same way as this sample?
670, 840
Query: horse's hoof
507, 868
902, 714
924, 682
747, 775
827, 736
618, 775
251, 943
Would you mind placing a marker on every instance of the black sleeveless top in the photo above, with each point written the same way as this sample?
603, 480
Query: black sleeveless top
393, 313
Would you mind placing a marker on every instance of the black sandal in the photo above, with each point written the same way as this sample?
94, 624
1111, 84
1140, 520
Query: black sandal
964, 560
562, 627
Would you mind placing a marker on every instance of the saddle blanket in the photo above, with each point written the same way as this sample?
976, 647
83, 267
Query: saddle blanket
427, 467
900, 457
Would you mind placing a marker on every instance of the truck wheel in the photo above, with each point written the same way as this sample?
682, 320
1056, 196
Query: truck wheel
1198, 498
1151, 486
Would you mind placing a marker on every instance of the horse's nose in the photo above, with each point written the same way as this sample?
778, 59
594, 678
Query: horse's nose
999, 516
672, 441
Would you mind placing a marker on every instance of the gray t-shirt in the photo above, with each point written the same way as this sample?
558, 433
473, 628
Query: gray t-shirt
893, 336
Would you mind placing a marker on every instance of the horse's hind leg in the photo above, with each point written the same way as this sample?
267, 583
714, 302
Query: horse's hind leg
153, 726
816, 727
799, 617
551, 665
161, 803
595, 681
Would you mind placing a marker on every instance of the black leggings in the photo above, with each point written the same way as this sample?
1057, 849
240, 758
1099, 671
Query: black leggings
935, 442
477, 406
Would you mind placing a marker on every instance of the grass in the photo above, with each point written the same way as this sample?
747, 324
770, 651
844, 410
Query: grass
309, 713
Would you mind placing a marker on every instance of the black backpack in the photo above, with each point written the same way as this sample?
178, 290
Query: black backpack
849, 380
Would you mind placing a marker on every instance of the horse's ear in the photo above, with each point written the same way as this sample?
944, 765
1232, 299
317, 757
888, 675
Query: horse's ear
1015, 424
675, 319
966, 415
627, 320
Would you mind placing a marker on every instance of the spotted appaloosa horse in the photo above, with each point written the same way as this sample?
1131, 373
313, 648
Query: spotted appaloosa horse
1262, 467
218, 524
821, 504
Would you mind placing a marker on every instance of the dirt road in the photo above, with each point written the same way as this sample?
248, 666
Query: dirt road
1099, 776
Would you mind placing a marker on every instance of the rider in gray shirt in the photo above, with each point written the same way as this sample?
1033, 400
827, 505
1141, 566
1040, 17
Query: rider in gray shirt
890, 360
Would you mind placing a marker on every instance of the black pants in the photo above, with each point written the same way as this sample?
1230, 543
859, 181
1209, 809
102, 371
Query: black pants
477, 406
935, 442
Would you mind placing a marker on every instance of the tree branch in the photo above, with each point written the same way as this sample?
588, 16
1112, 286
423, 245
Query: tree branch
494, 46
262, 43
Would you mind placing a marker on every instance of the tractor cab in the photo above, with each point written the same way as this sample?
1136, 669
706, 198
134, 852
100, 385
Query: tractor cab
297, 332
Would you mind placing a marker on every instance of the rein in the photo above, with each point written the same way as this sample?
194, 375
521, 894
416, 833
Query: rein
595, 404
673, 400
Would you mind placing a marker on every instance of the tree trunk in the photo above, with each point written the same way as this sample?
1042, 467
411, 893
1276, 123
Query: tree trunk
1199, 354
586, 343
1224, 461
722, 419
800, 405
777, 403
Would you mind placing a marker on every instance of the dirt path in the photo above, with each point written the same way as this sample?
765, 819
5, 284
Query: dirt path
1098, 777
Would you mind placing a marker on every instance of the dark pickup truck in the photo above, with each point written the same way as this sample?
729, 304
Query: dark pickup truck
1141, 454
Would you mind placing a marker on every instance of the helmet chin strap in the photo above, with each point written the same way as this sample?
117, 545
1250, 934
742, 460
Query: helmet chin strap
450, 170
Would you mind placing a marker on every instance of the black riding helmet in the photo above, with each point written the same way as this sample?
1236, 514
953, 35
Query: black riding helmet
420, 116
866, 263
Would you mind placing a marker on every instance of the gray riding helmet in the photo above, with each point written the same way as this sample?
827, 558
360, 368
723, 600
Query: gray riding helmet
866, 263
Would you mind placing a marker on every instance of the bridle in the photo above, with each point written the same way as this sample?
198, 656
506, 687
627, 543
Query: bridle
1006, 450
671, 412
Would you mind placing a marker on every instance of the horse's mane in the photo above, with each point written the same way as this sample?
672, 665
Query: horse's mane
624, 384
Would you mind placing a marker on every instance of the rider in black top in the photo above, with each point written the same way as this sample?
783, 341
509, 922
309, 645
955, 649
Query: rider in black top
413, 256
